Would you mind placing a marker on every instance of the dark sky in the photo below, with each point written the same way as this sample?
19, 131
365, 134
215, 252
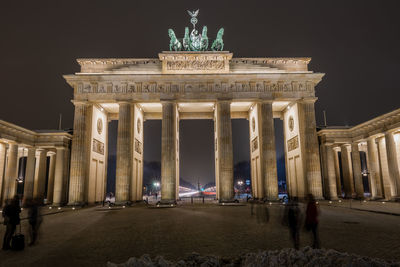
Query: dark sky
356, 43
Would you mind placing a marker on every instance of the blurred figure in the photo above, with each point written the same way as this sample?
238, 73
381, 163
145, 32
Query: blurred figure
11, 219
252, 201
262, 213
292, 220
311, 222
34, 219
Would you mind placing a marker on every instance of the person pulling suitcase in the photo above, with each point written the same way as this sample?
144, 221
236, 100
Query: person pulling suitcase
11, 219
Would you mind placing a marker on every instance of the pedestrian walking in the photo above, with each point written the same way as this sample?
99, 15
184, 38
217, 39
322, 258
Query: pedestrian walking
34, 220
311, 223
292, 220
262, 213
11, 219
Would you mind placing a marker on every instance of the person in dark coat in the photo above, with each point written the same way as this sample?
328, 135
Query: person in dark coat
311, 222
11, 219
292, 220
34, 220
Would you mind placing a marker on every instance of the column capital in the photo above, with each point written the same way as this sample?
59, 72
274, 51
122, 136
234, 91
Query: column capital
119, 102
221, 100
264, 100
308, 100
80, 103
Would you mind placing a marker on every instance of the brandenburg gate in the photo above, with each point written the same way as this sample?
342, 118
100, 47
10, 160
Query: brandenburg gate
183, 85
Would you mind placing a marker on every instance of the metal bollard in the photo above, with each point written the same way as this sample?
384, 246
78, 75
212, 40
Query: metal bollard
203, 199
191, 199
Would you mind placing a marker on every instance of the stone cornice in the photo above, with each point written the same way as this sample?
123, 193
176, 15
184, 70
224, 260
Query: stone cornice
375, 127
153, 65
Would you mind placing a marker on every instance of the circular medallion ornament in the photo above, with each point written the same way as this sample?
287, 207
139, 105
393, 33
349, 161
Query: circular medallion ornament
291, 123
253, 124
99, 125
138, 125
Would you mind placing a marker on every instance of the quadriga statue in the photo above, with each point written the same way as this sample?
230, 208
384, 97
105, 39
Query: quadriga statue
174, 44
218, 44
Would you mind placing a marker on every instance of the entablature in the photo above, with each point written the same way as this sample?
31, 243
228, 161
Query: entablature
372, 128
15, 134
145, 87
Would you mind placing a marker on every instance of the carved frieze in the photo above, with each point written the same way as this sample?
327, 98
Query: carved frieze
98, 146
293, 143
138, 146
254, 144
194, 87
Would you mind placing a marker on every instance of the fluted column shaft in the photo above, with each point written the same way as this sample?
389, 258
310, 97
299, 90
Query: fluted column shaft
347, 171
29, 174
3, 151
225, 151
331, 172
311, 148
124, 153
373, 168
393, 163
79, 155
39, 186
387, 185
269, 151
50, 181
59, 177
10, 185
358, 183
168, 152
337, 172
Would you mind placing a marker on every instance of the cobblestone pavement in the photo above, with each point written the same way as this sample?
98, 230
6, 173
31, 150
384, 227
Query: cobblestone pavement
93, 236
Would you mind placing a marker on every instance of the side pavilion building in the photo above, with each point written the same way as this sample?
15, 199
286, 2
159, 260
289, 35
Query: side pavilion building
193, 85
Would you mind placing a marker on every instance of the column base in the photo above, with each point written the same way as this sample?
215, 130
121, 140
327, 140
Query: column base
122, 203
77, 204
228, 201
167, 202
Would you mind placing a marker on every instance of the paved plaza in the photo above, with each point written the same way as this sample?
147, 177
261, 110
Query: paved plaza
93, 236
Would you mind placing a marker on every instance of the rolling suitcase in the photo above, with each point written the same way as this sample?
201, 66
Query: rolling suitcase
18, 241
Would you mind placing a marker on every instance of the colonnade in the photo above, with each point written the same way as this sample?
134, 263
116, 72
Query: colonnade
382, 160
32, 174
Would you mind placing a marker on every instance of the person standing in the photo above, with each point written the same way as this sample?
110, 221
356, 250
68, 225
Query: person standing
11, 219
311, 222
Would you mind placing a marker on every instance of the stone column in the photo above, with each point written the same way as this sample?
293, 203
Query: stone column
337, 171
10, 185
373, 168
387, 185
29, 174
50, 181
168, 153
79, 154
347, 171
331, 172
267, 132
124, 153
59, 177
39, 186
393, 163
310, 147
355, 155
3, 153
225, 151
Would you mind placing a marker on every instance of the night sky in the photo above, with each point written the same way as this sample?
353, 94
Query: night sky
356, 43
